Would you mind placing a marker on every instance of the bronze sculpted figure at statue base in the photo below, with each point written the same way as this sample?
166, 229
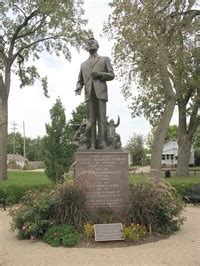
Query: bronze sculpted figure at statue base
94, 73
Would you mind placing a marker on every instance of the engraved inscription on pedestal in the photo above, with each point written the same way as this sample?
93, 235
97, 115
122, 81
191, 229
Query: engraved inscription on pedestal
105, 176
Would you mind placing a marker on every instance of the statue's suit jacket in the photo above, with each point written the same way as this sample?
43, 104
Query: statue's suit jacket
102, 65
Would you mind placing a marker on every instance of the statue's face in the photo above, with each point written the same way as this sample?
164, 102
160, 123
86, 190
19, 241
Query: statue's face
93, 45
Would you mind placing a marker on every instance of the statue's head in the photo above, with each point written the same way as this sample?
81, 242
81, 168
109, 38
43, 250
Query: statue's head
92, 45
112, 121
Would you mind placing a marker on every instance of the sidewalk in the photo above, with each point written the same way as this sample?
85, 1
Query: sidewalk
182, 248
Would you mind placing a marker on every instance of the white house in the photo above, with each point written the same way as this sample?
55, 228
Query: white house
17, 159
170, 154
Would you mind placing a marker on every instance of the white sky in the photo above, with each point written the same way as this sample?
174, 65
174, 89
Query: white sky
31, 106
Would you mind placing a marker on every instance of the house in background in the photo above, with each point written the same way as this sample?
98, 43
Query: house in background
16, 161
170, 154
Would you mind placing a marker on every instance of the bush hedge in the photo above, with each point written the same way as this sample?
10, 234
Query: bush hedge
14, 193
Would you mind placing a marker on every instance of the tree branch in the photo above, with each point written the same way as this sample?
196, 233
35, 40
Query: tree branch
3, 56
19, 28
32, 30
33, 43
20, 69
20, 10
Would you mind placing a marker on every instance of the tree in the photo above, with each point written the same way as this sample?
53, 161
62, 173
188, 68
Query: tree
55, 144
156, 47
172, 133
78, 115
29, 28
136, 147
196, 146
34, 149
15, 143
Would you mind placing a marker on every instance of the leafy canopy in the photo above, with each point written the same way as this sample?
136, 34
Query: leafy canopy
156, 46
31, 27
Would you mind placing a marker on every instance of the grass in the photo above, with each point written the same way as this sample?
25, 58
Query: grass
25, 178
18, 182
183, 185
171, 180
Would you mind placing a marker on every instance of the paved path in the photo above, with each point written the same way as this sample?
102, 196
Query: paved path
182, 248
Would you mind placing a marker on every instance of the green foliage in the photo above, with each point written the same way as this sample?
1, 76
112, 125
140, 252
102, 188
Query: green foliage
78, 114
34, 147
62, 235
172, 133
156, 205
70, 205
18, 143
14, 188
56, 144
134, 232
39, 210
151, 38
135, 146
156, 46
34, 216
33, 27
183, 185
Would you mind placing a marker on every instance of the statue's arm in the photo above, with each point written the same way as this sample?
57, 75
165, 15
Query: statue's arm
109, 74
80, 83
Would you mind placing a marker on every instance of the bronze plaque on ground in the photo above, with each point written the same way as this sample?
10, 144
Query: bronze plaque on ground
108, 232
105, 177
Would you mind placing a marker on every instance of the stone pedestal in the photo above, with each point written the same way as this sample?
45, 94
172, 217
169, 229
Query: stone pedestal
105, 177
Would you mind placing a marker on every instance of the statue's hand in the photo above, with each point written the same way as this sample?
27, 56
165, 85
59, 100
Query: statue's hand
77, 92
96, 75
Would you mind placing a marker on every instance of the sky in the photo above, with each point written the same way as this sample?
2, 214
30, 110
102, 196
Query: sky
31, 106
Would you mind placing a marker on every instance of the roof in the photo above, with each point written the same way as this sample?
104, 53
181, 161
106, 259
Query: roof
171, 147
16, 157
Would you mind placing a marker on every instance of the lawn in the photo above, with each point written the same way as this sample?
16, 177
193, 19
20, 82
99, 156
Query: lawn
25, 178
19, 182
183, 185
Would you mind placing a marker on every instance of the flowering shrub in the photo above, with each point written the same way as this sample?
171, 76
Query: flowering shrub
34, 215
134, 232
88, 230
39, 211
156, 205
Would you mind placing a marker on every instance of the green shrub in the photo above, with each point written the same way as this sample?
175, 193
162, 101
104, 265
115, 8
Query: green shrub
62, 235
14, 193
184, 187
34, 216
134, 232
156, 205
70, 205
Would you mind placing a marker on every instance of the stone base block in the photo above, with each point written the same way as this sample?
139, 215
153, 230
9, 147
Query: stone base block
105, 177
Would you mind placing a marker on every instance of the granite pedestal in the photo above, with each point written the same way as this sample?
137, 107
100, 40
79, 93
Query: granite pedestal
104, 175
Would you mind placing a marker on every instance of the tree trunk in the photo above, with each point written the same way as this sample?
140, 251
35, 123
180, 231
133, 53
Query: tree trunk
183, 155
159, 139
3, 129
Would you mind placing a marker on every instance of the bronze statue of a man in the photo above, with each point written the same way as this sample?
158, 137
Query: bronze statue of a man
94, 73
